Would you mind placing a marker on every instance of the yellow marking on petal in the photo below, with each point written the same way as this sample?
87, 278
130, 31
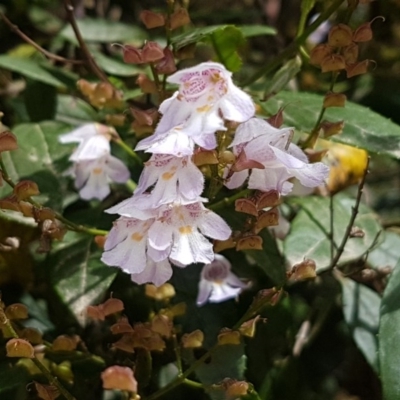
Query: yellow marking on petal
204, 108
210, 98
137, 237
97, 171
185, 230
166, 176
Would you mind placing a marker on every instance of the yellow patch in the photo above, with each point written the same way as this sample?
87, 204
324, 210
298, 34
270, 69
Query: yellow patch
204, 108
185, 230
215, 78
97, 171
137, 237
166, 176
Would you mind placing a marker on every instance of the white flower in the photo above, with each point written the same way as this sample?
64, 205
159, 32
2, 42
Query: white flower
171, 178
273, 160
93, 139
218, 283
93, 177
206, 97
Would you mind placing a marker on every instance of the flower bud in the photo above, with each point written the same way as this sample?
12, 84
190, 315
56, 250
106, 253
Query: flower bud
266, 219
41, 214
334, 62
152, 52
235, 389
179, 18
8, 141
46, 392
356, 232
119, 378
167, 64
357, 69
126, 343
246, 206
304, 270
248, 328
364, 32
193, 340
112, 306
340, 36
145, 117
162, 325
32, 335
276, 120
122, 326
250, 242
331, 128
205, 157
221, 245
334, 100
19, 348
228, 336
226, 157
65, 343
100, 241
165, 291
27, 209
350, 53
146, 84
186, 52
266, 199
85, 87
132, 55
179, 309
152, 19
318, 53
16, 311
10, 203
25, 189
64, 371
116, 119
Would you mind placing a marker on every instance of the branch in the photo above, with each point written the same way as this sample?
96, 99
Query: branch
27, 39
354, 213
82, 44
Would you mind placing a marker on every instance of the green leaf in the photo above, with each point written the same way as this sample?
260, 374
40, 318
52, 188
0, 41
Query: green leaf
78, 275
115, 67
387, 254
225, 40
13, 380
389, 336
43, 20
363, 128
361, 312
75, 111
104, 31
309, 229
40, 101
283, 76
40, 158
30, 69
256, 30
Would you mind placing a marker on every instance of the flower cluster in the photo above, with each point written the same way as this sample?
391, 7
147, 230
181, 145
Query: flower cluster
165, 220
266, 156
93, 165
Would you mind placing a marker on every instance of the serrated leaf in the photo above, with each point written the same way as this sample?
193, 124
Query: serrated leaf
75, 111
361, 312
389, 336
104, 31
79, 277
363, 128
41, 159
309, 229
30, 69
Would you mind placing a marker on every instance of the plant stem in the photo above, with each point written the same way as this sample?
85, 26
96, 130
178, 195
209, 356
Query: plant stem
295, 45
229, 200
354, 214
158, 83
52, 379
82, 44
128, 150
27, 39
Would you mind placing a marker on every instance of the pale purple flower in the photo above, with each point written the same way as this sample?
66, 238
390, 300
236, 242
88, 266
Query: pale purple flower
272, 158
206, 97
171, 178
93, 177
93, 139
218, 283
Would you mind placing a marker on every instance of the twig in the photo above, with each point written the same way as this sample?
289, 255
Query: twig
82, 44
52, 379
354, 213
14, 28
